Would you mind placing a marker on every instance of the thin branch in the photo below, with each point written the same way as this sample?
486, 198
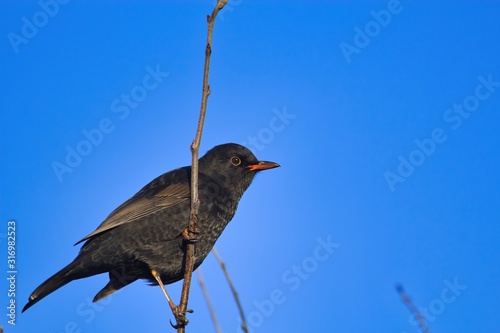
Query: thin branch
233, 289
201, 282
191, 231
413, 309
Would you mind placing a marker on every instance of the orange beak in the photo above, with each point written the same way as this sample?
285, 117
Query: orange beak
262, 165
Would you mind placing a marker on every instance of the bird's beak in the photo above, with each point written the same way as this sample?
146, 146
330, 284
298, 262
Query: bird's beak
262, 165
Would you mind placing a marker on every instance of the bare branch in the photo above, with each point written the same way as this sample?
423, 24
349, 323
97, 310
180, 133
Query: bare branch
201, 282
413, 309
191, 231
233, 289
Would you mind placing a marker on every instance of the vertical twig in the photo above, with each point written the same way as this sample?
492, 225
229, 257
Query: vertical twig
195, 146
413, 309
201, 282
233, 289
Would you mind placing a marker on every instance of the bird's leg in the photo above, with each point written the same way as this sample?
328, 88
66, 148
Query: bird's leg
181, 317
156, 275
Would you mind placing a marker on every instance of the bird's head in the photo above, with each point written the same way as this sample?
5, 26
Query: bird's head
233, 165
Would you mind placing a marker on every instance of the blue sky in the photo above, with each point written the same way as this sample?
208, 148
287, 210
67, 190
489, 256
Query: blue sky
384, 116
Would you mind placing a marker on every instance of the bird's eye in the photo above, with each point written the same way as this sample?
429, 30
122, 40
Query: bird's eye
235, 160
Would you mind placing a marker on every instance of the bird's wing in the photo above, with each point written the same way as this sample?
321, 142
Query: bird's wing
161, 193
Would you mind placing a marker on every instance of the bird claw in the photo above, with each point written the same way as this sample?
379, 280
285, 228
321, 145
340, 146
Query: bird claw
190, 235
180, 317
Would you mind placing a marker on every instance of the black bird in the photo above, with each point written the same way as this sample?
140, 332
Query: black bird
143, 237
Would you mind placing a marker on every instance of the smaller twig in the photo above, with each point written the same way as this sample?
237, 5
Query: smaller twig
201, 282
413, 309
244, 326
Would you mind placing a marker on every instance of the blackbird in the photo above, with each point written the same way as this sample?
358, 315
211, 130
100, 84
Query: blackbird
143, 237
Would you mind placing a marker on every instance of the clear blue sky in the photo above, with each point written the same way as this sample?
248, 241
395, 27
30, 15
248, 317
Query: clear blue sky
384, 116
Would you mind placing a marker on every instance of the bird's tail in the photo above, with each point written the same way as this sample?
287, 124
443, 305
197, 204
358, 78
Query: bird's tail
53, 283
69, 273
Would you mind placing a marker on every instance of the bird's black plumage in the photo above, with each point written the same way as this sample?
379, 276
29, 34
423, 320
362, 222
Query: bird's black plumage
145, 232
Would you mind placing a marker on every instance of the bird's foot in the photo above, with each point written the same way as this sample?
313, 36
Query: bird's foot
191, 235
180, 317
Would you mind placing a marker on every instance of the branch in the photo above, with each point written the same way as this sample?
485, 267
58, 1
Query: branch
413, 309
235, 293
208, 301
195, 146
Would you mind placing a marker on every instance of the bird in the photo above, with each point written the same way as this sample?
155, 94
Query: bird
144, 238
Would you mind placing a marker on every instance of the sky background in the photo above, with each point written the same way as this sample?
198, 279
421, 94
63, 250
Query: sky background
383, 115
